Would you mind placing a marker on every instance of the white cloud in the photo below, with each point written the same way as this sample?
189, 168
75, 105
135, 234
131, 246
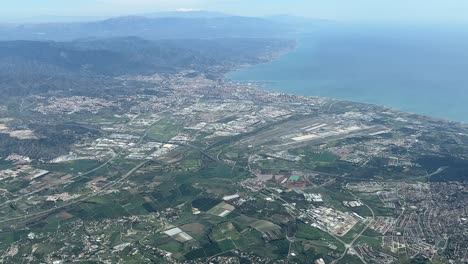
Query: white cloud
119, 7
162, 3
140, 6
176, 3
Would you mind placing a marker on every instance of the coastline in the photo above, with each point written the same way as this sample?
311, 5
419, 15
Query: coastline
263, 85
264, 59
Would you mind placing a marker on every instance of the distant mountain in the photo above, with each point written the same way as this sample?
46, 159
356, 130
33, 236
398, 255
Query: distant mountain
27, 67
181, 13
64, 57
149, 28
51, 19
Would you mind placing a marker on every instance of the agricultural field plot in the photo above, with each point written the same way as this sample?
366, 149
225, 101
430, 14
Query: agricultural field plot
222, 209
187, 167
165, 130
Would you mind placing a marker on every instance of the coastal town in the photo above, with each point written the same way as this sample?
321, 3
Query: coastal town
219, 171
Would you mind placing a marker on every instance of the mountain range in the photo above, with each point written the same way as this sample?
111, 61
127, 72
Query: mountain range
27, 67
185, 25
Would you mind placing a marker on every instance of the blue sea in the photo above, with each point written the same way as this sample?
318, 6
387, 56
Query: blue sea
421, 70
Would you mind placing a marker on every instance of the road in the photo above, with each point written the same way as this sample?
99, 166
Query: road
81, 199
349, 246
84, 197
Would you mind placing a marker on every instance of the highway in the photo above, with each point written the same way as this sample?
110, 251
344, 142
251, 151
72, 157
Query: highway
86, 196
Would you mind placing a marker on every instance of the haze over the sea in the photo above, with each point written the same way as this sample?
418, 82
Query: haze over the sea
414, 69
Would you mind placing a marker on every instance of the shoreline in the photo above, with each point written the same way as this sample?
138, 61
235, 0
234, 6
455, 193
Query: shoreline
261, 85
273, 56
252, 85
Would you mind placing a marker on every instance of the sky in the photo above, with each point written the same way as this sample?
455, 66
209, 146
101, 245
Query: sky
433, 11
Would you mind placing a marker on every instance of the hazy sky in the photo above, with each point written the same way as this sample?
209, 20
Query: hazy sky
385, 10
